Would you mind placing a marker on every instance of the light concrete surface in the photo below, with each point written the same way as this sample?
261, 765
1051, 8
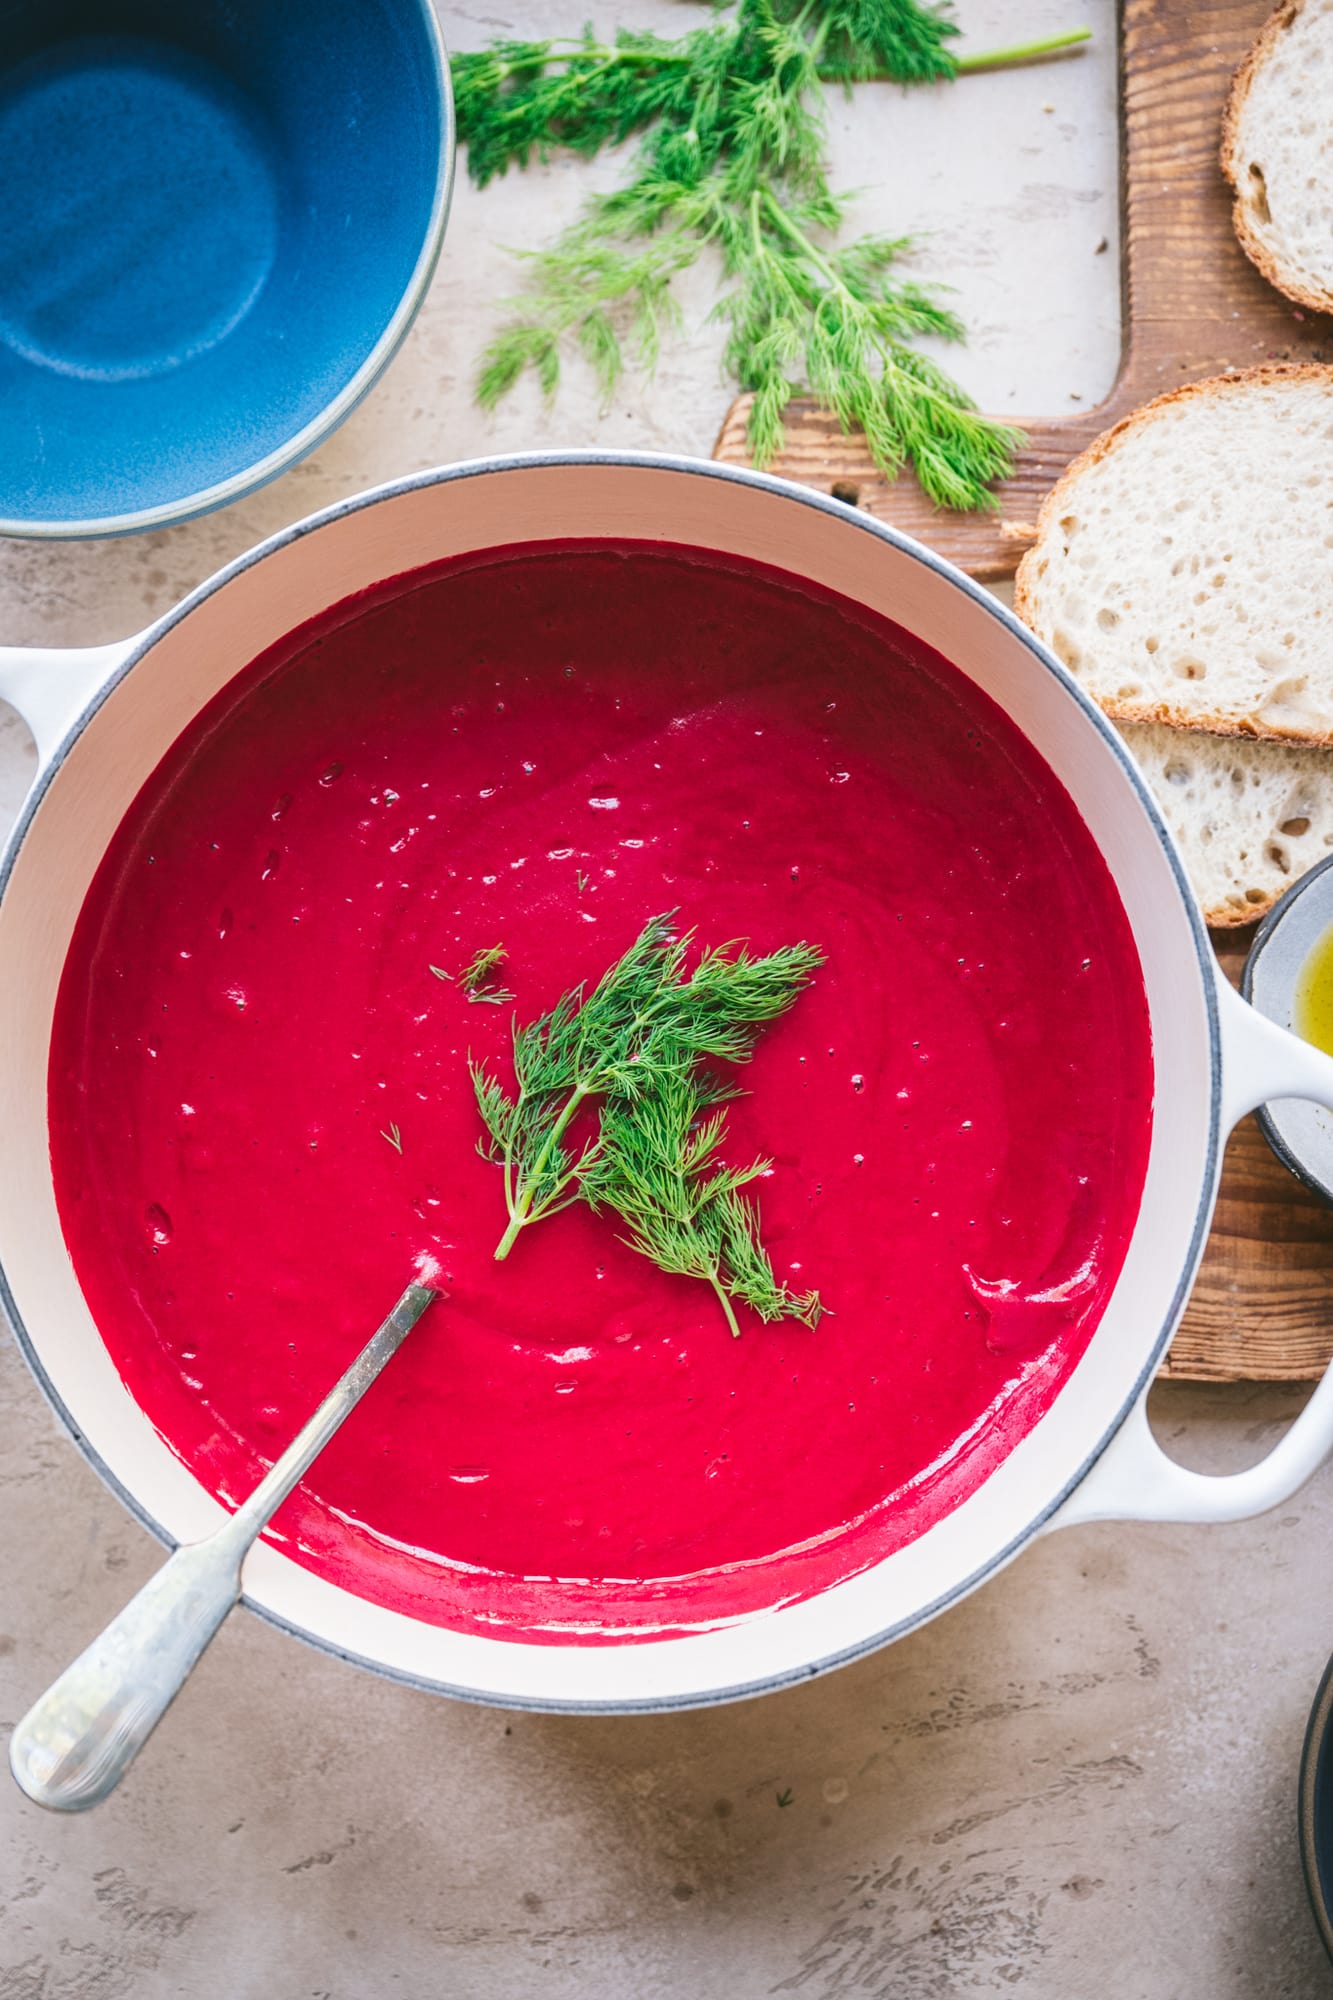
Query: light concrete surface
1081, 1782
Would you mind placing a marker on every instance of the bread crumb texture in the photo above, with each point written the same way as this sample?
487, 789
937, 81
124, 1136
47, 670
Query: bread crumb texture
1277, 152
1183, 567
1249, 818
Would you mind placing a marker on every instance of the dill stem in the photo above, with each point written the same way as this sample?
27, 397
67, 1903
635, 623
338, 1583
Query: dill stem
726, 1304
818, 39
797, 30
517, 111
1011, 57
1022, 52
520, 1208
803, 243
756, 236
607, 58
604, 56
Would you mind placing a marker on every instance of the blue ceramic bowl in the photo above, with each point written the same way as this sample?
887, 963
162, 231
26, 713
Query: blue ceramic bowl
218, 220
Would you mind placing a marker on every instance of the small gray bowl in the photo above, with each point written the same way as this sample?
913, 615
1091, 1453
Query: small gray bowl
1315, 1808
1300, 1134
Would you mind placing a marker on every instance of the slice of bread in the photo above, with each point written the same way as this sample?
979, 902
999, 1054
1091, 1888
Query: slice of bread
1277, 152
1249, 817
1183, 566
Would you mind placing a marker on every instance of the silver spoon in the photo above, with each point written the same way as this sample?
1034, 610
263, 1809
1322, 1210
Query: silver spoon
75, 1745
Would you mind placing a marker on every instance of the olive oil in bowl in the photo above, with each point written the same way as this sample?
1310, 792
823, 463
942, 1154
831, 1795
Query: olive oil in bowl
1312, 1009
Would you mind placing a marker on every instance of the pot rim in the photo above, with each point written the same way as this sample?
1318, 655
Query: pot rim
190, 505
1004, 616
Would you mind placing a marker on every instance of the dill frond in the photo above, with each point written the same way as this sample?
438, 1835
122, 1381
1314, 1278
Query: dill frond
657, 1168
515, 100
896, 39
585, 289
639, 1047
475, 980
733, 141
838, 321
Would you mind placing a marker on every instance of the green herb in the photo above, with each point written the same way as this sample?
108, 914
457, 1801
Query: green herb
656, 1166
474, 976
835, 312
394, 1137
733, 157
580, 882
474, 980
637, 1045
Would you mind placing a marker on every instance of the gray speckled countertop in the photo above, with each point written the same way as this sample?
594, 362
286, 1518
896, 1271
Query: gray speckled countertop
1081, 1782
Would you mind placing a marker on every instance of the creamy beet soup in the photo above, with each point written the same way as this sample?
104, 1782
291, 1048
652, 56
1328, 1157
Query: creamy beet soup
262, 1119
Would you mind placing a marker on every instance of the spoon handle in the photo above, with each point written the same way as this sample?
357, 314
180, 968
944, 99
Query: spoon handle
76, 1743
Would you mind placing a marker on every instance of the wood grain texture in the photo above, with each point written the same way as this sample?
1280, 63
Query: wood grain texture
1262, 1305
1194, 304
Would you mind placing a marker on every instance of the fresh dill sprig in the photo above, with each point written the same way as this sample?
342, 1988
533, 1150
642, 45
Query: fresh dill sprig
633, 1044
516, 99
656, 1166
474, 980
394, 1137
733, 156
483, 965
583, 1048
834, 320
898, 40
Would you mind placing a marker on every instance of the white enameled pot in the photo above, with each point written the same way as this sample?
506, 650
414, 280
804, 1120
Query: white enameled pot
103, 717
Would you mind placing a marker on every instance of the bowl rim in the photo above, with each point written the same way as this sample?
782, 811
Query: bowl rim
1313, 1752
334, 413
1263, 937
1155, 1344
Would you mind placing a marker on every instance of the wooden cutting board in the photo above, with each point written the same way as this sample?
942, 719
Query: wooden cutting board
1262, 1309
1194, 304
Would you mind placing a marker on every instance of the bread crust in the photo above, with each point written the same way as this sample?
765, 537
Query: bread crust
1226, 918
1218, 915
1056, 502
1317, 299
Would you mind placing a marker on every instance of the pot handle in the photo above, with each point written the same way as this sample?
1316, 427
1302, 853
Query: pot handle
50, 686
1134, 1480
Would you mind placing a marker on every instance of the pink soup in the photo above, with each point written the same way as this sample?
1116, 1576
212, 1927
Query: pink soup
541, 748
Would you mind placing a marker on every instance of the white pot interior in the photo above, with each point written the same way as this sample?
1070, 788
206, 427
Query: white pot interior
226, 626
